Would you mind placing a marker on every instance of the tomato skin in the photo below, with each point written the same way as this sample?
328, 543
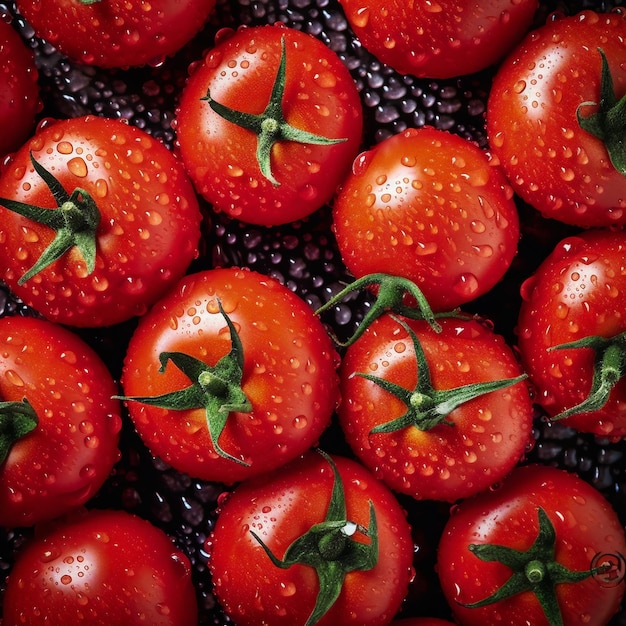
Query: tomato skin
148, 233
19, 90
554, 165
67, 457
428, 205
289, 373
320, 97
579, 290
117, 34
490, 433
443, 39
280, 507
585, 525
422, 621
104, 568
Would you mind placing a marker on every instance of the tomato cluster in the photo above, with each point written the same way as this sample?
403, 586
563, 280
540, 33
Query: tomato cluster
347, 342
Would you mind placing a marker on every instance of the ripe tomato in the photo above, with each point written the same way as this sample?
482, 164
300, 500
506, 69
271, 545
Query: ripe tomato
552, 78
578, 293
421, 621
19, 90
429, 206
116, 33
441, 38
536, 540
60, 425
408, 416
364, 542
125, 227
263, 369
268, 124
102, 568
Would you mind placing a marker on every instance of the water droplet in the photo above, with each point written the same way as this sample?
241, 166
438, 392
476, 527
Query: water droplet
78, 167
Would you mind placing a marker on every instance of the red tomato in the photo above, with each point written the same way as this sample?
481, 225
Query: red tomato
102, 568
440, 38
262, 153
553, 77
276, 391
433, 440
276, 511
578, 292
134, 216
421, 621
429, 206
19, 90
66, 450
117, 33
552, 527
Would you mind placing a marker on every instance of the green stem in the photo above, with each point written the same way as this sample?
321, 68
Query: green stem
17, 419
328, 547
608, 123
270, 127
216, 389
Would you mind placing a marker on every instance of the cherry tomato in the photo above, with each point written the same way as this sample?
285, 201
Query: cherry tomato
102, 568
116, 33
429, 206
60, 425
124, 228
281, 537
562, 153
409, 416
256, 368
268, 124
545, 548
19, 90
572, 332
441, 38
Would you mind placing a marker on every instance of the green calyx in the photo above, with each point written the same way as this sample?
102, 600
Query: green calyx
608, 123
271, 127
392, 293
330, 549
534, 570
17, 419
427, 407
609, 368
75, 222
216, 389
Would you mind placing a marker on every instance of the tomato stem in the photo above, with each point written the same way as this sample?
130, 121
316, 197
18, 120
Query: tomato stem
75, 222
428, 407
17, 419
534, 570
608, 123
271, 127
216, 389
394, 294
609, 368
328, 547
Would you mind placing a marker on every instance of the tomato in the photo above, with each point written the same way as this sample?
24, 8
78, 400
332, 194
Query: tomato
103, 568
554, 161
125, 229
257, 370
577, 294
116, 33
19, 90
536, 542
429, 206
408, 415
60, 425
268, 124
440, 39
345, 531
